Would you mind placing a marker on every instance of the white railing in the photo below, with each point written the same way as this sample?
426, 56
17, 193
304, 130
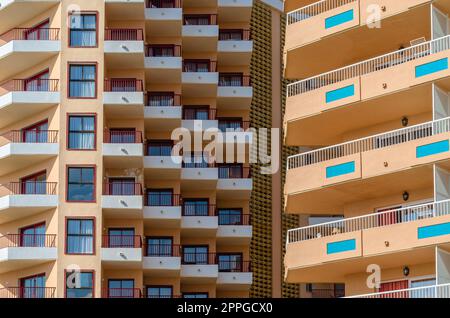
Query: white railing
374, 220
370, 66
378, 141
314, 9
436, 291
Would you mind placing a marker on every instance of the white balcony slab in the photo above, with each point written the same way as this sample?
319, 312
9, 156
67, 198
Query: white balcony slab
163, 69
123, 155
235, 10
121, 257
162, 216
199, 273
239, 189
162, 266
164, 21
199, 174
199, 125
199, 84
15, 258
124, 54
234, 97
122, 206
202, 31
234, 281
125, 10
193, 225
165, 118
234, 52
162, 167
200, 38
123, 98
124, 47
14, 207
206, 78
234, 234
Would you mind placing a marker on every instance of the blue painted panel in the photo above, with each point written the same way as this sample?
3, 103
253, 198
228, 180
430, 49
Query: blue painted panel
339, 170
342, 246
432, 67
433, 230
432, 149
340, 93
338, 19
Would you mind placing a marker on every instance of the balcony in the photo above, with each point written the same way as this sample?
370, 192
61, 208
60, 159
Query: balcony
234, 182
199, 119
123, 149
235, 10
234, 92
124, 48
235, 47
437, 291
20, 148
402, 78
19, 251
366, 168
163, 111
121, 293
23, 48
162, 210
234, 229
234, 275
198, 218
199, 78
199, 268
197, 174
122, 200
328, 252
200, 33
159, 164
162, 260
22, 199
163, 63
164, 18
125, 10
235, 131
121, 251
123, 98
28, 292
313, 29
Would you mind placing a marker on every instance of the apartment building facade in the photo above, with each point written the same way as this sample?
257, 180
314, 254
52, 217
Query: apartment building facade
368, 100
92, 202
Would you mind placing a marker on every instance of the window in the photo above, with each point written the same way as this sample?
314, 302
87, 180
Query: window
196, 113
159, 246
121, 288
231, 34
230, 262
33, 235
230, 124
196, 207
160, 197
38, 83
80, 236
195, 295
40, 31
159, 291
83, 30
195, 255
123, 136
122, 186
32, 287
79, 285
81, 132
231, 79
82, 81
81, 184
121, 238
227, 171
200, 66
167, 50
159, 148
34, 184
37, 133
230, 216
198, 19
162, 99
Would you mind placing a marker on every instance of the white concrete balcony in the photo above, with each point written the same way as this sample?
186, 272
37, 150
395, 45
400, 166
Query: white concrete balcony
234, 233
163, 118
199, 219
18, 251
125, 10
21, 49
162, 211
162, 260
200, 83
199, 125
436, 291
123, 149
19, 150
162, 167
21, 98
122, 200
235, 52
234, 92
121, 251
234, 182
235, 10
162, 19
199, 268
163, 63
124, 48
123, 98
19, 200
199, 37
199, 176
238, 278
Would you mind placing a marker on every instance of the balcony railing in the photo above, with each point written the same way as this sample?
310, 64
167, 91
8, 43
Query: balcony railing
162, 250
121, 293
31, 85
234, 172
154, 100
158, 50
124, 35
162, 296
235, 266
370, 66
122, 137
379, 141
200, 19
199, 114
199, 258
437, 291
28, 240
196, 160
30, 34
327, 293
163, 4
28, 188
234, 35
374, 220
121, 241
28, 292
199, 67
235, 219
235, 80
30, 136
122, 188
162, 199
230, 124
315, 9
123, 85
197, 209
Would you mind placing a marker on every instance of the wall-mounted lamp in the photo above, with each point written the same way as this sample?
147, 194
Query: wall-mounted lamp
405, 121
405, 196
406, 271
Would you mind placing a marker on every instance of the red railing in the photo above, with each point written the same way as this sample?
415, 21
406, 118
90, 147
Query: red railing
162, 199
164, 4
160, 50
155, 100
28, 240
200, 19
162, 250
122, 137
31, 136
197, 161
234, 172
123, 85
198, 258
29, 34
161, 296
31, 85
123, 241
195, 209
29, 188
122, 188
235, 219
196, 113
232, 124
235, 266
234, 80
234, 35
121, 293
28, 292
327, 293
199, 66
124, 35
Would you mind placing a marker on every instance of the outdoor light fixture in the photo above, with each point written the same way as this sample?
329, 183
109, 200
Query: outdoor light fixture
405, 121
406, 271
405, 196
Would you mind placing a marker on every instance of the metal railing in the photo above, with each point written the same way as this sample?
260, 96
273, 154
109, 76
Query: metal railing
234, 266
199, 113
122, 137
199, 66
232, 125
369, 221
315, 9
163, 100
28, 188
123, 85
198, 209
436, 291
370, 66
234, 172
31, 85
235, 80
159, 50
200, 19
124, 35
162, 199
378, 141
162, 250
123, 241
327, 293
28, 292
199, 258
30, 34
234, 35
234, 219
28, 240
121, 293
31, 136
167, 4
122, 188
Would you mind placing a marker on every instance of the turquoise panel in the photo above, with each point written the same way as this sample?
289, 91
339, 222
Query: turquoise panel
342, 246
432, 149
340, 93
338, 19
339, 170
433, 230
432, 67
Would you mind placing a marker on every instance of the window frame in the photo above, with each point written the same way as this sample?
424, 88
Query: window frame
69, 29
94, 234
81, 272
94, 167
68, 130
159, 287
95, 64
